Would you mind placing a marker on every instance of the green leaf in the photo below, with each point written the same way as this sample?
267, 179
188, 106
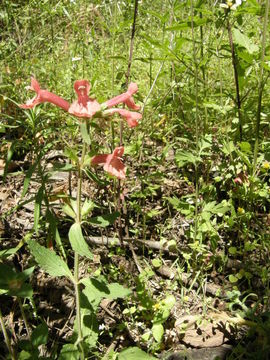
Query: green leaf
8, 252
117, 291
77, 241
134, 353
244, 41
12, 283
67, 209
232, 250
69, 352
184, 157
197, 21
245, 147
48, 260
158, 332
39, 198
88, 206
39, 335
71, 154
104, 220
156, 263
29, 174
54, 232
97, 288
233, 279
85, 133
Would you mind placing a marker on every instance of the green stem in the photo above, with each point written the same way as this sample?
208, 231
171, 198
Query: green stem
260, 88
4, 330
196, 125
76, 255
24, 318
236, 80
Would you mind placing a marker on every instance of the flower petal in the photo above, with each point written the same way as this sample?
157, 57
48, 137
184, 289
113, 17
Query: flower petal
87, 111
115, 167
44, 96
132, 89
99, 159
131, 104
131, 117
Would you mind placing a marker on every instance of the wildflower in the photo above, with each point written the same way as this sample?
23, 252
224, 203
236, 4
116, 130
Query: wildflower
112, 163
240, 210
85, 106
43, 96
232, 5
125, 98
238, 181
266, 165
241, 179
130, 116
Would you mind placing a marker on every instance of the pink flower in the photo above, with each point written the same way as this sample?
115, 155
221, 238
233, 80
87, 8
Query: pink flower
44, 96
125, 98
84, 106
238, 181
130, 116
112, 163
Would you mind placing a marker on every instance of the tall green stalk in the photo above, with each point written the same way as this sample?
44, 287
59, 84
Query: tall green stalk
260, 87
236, 79
4, 330
196, 123
76, 255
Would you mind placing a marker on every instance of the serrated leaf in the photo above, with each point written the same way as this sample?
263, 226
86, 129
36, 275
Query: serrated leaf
48, 260
77, 241
134, 353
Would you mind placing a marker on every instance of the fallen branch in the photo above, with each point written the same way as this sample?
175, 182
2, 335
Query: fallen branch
110, 241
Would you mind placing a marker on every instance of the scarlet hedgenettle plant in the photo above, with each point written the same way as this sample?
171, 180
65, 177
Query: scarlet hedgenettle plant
84, 108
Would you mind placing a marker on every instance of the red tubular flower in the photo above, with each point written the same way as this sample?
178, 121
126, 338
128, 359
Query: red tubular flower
112, 163
84, 106
44, 96
125, 98
130, 116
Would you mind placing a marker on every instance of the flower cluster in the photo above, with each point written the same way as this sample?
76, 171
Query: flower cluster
231, 5
87, 107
